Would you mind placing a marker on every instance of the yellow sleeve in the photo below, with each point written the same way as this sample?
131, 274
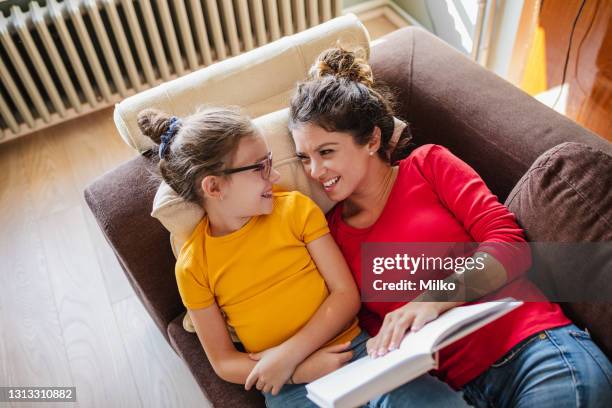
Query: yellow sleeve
310, 222
192, 283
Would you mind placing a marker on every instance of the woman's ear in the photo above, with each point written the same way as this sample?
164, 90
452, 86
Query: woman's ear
374, 143
211, 187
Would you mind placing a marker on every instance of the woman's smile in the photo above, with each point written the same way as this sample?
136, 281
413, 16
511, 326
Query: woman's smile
331, 183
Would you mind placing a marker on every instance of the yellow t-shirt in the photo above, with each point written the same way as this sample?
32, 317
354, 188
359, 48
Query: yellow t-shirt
261, 276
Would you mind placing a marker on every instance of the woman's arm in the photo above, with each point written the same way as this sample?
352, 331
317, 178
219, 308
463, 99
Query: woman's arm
470, 285
229, 364
487, 221
502, 247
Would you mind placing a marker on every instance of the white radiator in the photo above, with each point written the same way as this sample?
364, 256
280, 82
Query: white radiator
73, 57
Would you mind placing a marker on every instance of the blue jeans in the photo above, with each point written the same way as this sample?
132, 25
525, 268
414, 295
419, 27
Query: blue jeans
558, 368
425, 391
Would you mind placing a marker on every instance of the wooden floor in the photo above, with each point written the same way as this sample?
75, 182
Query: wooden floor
67, 313
68, 316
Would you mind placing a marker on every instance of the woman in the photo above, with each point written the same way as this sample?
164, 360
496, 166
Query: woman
342, 127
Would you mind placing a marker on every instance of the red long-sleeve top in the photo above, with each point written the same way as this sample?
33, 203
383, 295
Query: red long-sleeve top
439, 198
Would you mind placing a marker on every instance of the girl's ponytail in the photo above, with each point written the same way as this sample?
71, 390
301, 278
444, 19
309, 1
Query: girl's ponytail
153, 123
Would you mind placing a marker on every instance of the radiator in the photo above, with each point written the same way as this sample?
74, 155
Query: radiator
70, 58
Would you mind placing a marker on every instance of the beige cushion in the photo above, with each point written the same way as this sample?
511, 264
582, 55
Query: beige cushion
260, 81
176, 215
181, 217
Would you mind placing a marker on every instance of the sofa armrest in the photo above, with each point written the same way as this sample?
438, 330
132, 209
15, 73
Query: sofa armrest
450, 100
121, 202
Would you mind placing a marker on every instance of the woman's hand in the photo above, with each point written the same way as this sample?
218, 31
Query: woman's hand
274, 367
411, 316
322, 362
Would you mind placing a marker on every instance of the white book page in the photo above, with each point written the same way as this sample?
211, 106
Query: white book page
455, 324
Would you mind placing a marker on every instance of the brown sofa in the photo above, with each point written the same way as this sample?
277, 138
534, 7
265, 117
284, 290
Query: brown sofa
449, 100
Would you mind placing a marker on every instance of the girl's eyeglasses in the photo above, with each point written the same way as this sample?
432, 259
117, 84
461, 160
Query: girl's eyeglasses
264, 167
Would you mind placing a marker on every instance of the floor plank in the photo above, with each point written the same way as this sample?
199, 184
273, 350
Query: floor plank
32, 349
162, 377
117, 286
101, 142
104, 143
32, 352
49, 175
379, 26
100, 368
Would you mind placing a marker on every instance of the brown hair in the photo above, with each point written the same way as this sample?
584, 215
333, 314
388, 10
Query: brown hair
202, 145
340, 96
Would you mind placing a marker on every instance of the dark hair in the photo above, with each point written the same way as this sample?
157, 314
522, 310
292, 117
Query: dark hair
340, 96
202, 145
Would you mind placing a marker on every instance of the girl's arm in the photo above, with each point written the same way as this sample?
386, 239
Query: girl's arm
338, 309
229, 364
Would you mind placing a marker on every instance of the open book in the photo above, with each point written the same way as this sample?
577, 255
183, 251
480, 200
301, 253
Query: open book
358, 382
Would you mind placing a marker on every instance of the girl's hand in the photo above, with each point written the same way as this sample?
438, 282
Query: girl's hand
274, 367
411, 316
322, 362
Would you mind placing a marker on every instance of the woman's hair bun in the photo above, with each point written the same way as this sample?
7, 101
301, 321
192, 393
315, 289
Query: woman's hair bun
343, 63
153, 123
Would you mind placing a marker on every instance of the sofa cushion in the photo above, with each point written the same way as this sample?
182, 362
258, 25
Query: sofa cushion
565, 197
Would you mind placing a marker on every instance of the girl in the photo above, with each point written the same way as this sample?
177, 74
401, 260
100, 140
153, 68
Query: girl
390, 192
261, 262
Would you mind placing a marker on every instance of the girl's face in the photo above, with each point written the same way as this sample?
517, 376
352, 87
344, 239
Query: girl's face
333, 159
247, 193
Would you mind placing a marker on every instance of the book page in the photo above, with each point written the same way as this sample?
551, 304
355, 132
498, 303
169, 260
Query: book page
454, 324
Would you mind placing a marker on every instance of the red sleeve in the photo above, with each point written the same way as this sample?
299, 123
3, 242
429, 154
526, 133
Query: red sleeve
466, 195
369, 321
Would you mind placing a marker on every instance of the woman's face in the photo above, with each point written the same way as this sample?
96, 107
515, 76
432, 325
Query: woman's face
332, 158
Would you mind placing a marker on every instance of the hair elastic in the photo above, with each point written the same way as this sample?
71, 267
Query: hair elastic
168, 135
